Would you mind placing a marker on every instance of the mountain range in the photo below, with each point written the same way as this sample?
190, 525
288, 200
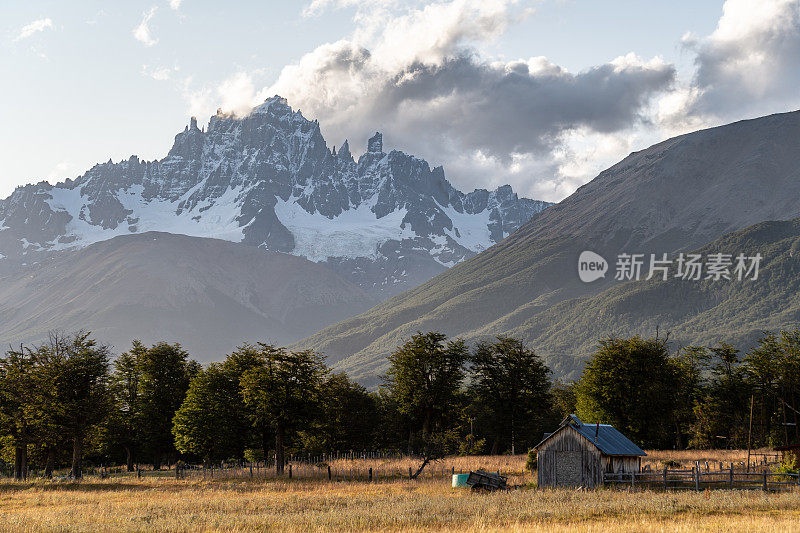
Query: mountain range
384, 222
678, 195
208, 294
253, 229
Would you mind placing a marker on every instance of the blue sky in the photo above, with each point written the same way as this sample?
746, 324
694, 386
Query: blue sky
82, 85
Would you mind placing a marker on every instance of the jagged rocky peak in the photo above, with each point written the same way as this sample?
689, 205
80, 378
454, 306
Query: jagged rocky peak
268, 179
375, 144
344, 153
275, 105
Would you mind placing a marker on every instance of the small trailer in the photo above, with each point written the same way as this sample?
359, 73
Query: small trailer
481, 480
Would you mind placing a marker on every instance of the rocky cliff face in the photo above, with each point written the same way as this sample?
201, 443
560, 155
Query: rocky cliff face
386, 221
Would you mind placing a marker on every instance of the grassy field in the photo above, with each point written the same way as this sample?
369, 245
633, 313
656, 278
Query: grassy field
166, 504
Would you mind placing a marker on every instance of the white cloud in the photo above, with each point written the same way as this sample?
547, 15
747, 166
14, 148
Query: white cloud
236, 94
419, 76
750, 63
419, 72
142, 32
175, 4
34, 27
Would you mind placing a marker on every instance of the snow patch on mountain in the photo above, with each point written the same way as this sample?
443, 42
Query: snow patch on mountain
218, 218
355, 233
469, 230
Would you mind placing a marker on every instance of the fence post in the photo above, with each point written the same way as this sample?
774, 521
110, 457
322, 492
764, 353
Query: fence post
696, 474
290, 471
665, 478
765, 480
409, 473
370, 474
329, 473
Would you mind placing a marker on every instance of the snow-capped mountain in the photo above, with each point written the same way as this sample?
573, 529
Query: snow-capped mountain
386, 221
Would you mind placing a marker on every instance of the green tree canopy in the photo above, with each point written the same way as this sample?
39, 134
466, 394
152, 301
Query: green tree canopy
78, 374
16, 383
630, 384
164, 374
513, 385
348, 418
209, 423
283, 392
425, 378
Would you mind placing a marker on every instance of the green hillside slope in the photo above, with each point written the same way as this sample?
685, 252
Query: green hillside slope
677, 195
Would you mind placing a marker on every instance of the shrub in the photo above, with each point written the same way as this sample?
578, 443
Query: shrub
530, 464
788, 465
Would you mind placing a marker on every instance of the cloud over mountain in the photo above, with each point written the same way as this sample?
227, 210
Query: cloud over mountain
751, 61
419, 75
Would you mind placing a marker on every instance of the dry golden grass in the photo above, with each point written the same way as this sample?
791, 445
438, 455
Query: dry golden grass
165, 504
169, 505
513, 465
655, 458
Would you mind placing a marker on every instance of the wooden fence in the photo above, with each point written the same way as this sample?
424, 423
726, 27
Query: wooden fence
695, 479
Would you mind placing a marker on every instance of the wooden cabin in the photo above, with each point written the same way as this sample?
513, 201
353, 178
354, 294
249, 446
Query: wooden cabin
577, 454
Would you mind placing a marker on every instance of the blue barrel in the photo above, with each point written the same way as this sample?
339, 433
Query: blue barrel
460, 480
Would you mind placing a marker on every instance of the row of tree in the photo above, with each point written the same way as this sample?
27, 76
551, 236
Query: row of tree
66, 400
700, 397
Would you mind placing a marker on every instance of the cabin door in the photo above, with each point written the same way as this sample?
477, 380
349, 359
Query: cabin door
569, 464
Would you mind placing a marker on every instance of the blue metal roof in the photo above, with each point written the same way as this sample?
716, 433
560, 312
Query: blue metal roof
607, 439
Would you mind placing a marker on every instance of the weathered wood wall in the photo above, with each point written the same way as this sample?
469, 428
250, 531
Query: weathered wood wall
568, 459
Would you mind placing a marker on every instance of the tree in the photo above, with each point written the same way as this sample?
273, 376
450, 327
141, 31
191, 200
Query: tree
16, 379
348, 417
283, 392
722, 412
564, 399
424, 378
763, 370
690, 365
165, 372
513, 384
47, 413
209, 423
79, 370
630, 383
789, 381
126, 390
259, 432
